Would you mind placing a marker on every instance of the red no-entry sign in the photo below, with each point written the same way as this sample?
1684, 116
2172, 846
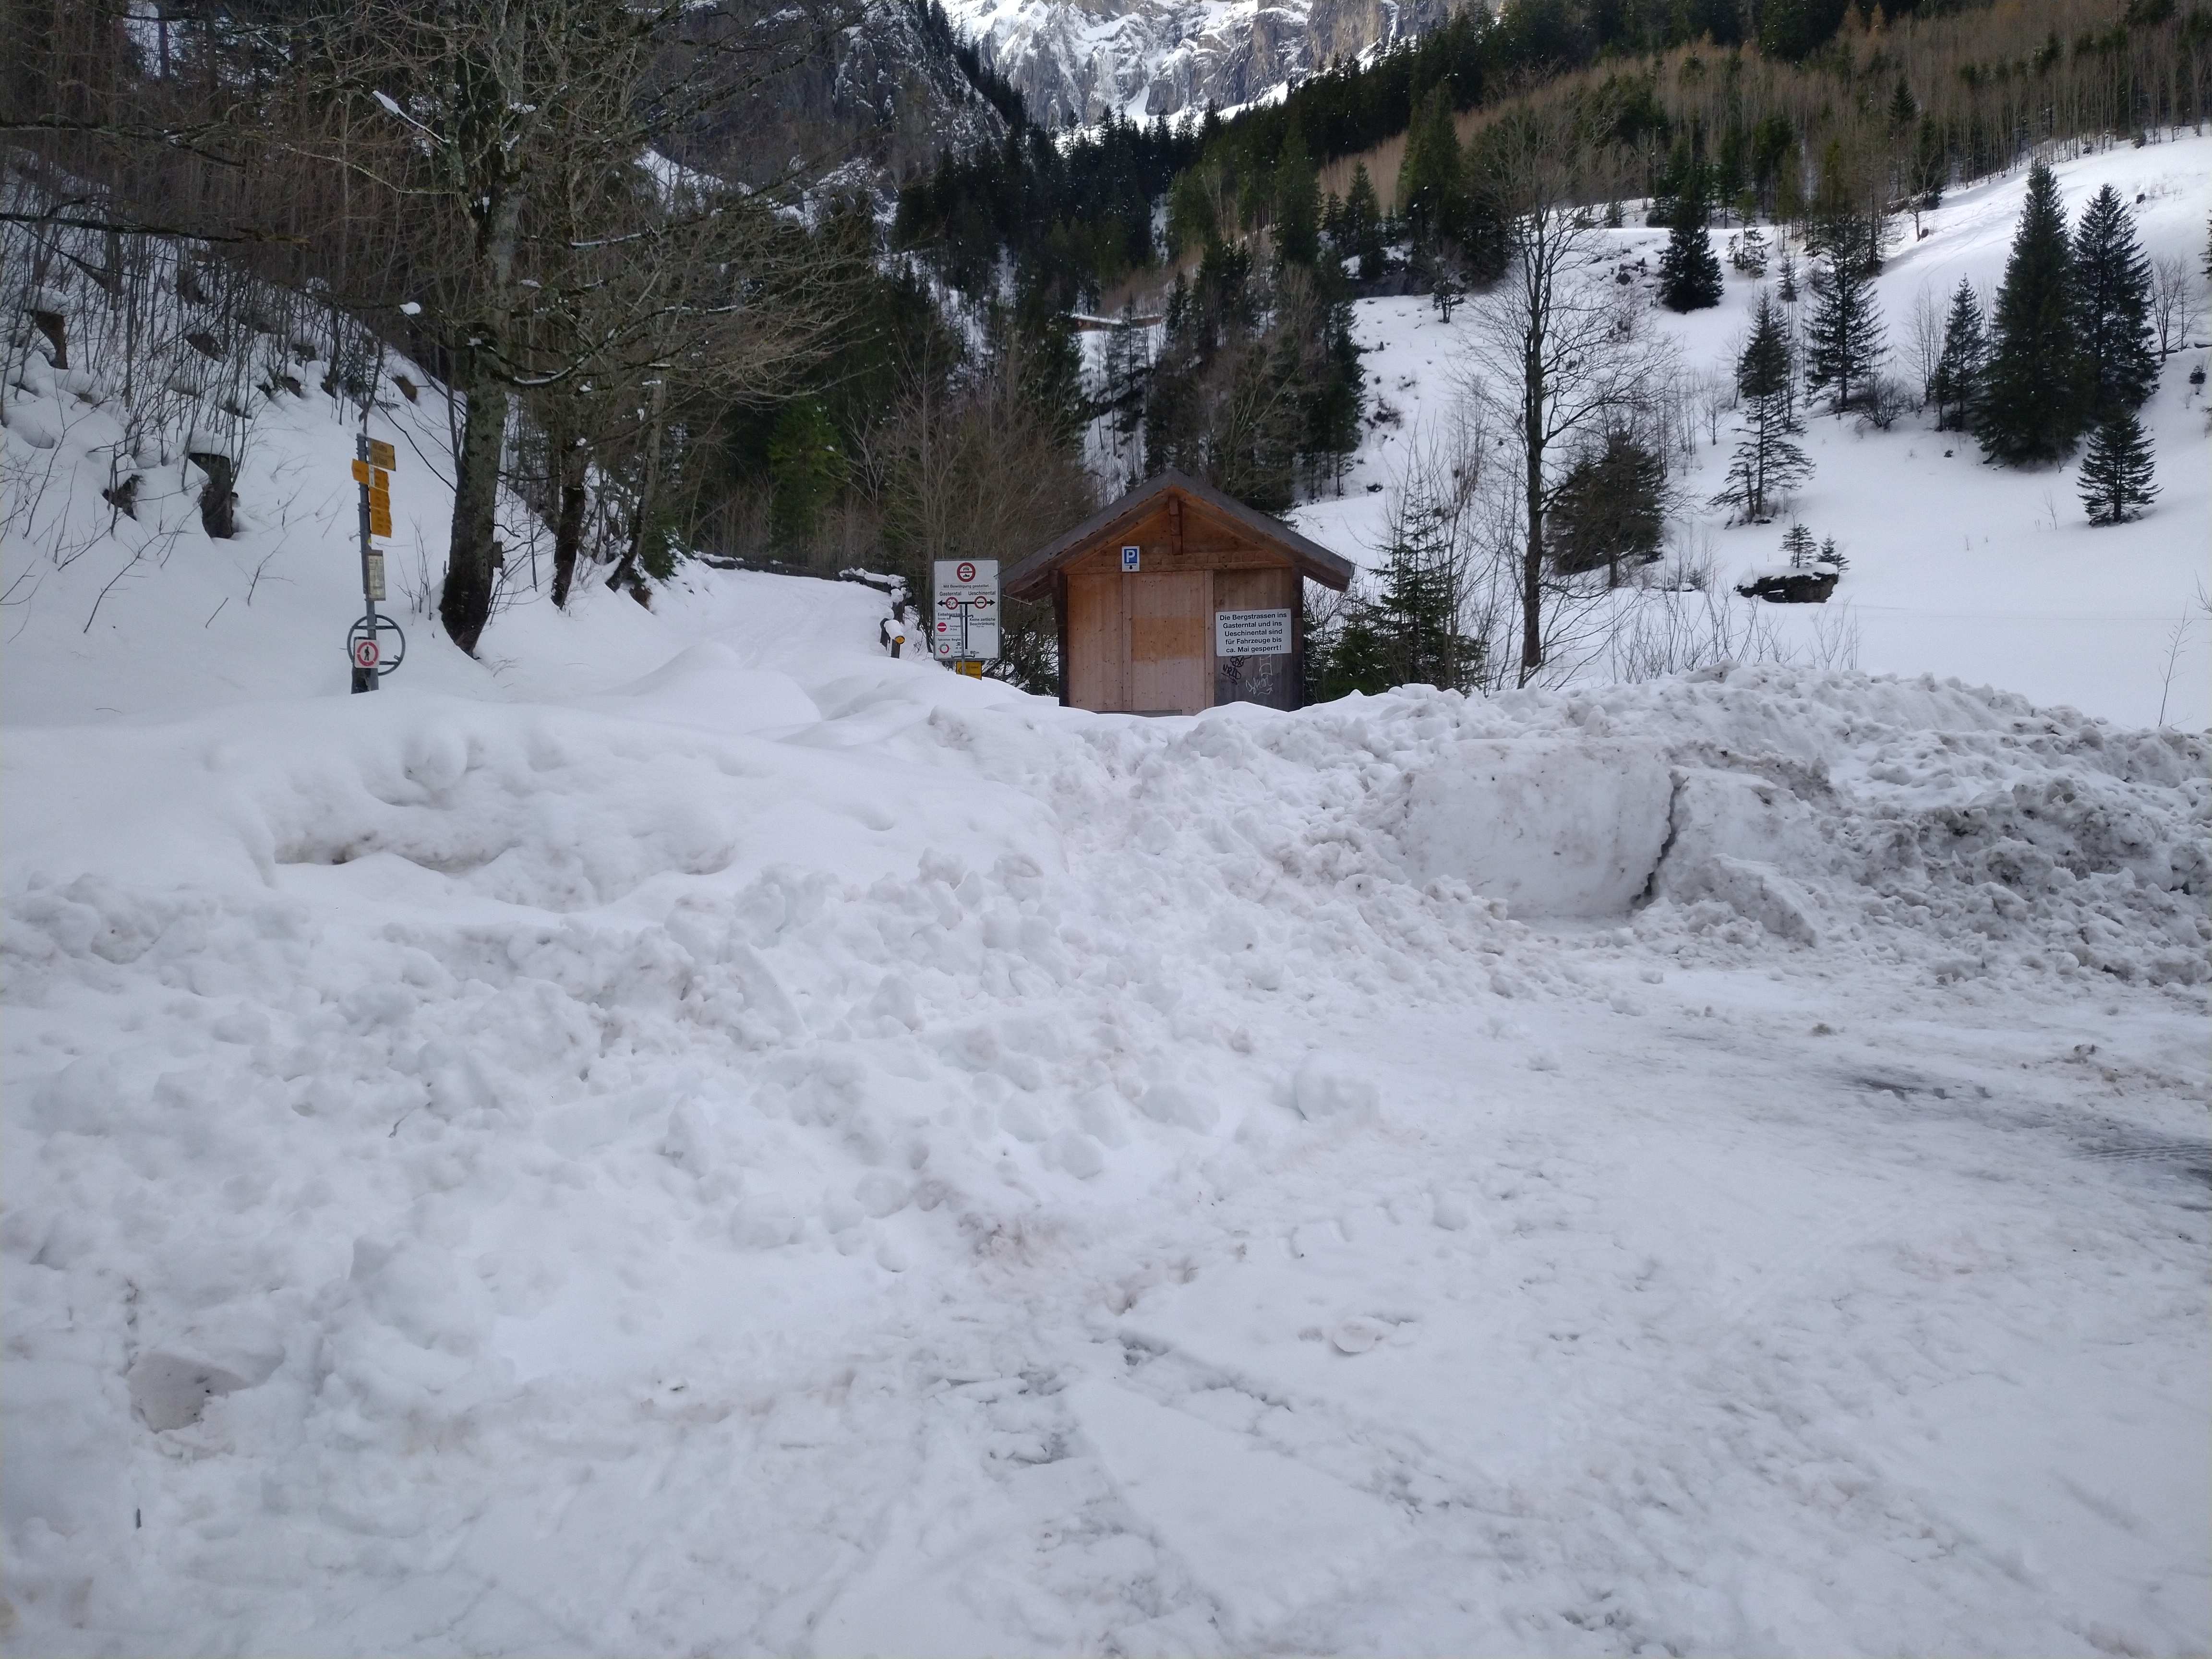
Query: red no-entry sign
365, 653
966, 572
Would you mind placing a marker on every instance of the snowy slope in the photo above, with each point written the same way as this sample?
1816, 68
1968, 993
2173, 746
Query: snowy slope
1957, 568
690, 1134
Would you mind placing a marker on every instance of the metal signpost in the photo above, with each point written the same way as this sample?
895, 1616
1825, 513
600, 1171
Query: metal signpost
374, 644
964, 629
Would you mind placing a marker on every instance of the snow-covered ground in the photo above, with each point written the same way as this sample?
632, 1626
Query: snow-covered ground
691, 1135
1957, 568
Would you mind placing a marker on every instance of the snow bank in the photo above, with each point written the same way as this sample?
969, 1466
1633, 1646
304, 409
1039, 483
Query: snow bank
395, 1085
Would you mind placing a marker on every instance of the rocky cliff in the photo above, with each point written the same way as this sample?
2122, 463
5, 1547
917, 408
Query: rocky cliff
1080, 60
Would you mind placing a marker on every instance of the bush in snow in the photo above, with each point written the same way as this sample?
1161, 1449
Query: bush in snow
1887, 398
1747, 252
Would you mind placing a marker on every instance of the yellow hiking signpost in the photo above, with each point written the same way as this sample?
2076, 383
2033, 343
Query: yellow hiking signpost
374, 644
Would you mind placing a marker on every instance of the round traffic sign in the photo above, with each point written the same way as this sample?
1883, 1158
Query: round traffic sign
381, 651
965, 571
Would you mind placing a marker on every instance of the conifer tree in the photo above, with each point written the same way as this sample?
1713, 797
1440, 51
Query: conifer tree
2029, 410
1429, 177
1336, 395
1799, 547
2116, 473
1417, 613
1297, 204
1957, 381
1363, 226
805, 469
1902, 109
1689, 274
1844, 342
1611, 506
1048, 362
1767, 463
1786, 278
2111, 308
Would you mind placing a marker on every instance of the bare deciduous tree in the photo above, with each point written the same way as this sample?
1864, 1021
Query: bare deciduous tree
1556, 346
1924, 345
2175, 302
523, 133
967, 469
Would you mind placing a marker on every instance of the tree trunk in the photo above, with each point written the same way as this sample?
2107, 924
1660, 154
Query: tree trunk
648, 485
568, 529
1532, 569
464, 603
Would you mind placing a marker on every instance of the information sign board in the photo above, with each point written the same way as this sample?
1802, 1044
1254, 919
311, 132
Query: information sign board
964, 620
1251, 633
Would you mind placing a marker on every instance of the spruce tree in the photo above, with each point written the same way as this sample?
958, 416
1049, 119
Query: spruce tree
1611, 507
1429, 177
1363, 226
1957, 378
2116, 473
1843, 341
1335, 395
1689, 274
1766, 464
1298, 203
805, 468
1412, 628
2029, 410
2111, 308
1798, 547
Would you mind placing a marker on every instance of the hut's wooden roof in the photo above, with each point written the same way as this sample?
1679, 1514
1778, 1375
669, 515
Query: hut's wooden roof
1312, 560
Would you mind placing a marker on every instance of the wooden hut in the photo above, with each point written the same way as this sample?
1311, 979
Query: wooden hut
1176, 598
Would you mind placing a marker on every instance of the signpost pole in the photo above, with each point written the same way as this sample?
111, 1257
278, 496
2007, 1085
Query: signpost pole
365, 678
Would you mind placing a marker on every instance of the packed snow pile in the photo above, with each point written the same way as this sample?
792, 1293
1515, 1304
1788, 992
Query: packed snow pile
627, 1172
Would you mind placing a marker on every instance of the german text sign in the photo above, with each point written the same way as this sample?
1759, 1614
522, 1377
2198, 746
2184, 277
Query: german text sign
1251, 633
965, 623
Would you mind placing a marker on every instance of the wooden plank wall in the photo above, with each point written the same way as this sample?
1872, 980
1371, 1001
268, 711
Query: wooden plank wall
1097, 639
1170, 642
1144, 642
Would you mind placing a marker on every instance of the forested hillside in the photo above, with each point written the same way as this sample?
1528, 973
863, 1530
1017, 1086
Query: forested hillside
738, 358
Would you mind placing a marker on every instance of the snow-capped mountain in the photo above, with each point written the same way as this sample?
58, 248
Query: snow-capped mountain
1081, 60
886, 93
